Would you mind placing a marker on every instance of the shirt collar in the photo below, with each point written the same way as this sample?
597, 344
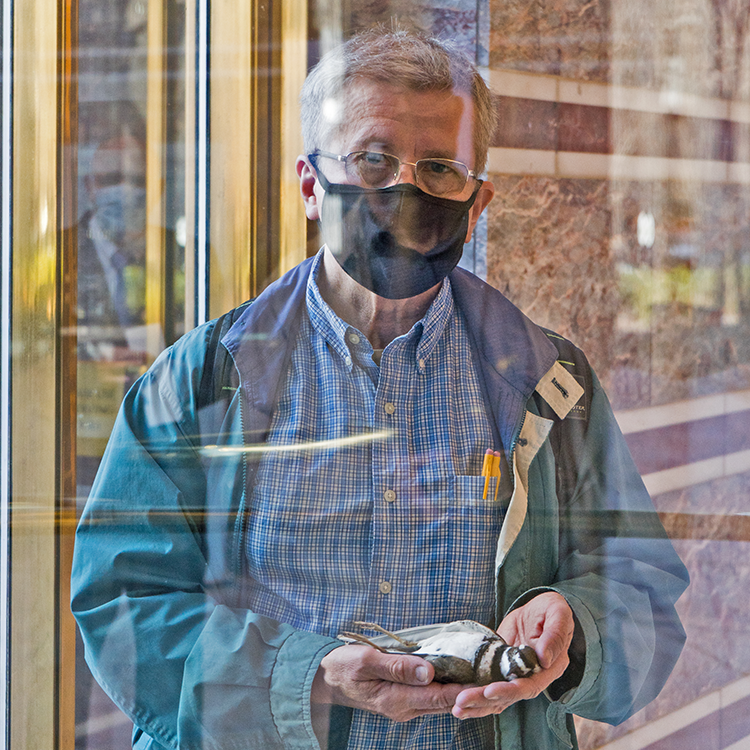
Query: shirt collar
322, 317
335, 331
434, 322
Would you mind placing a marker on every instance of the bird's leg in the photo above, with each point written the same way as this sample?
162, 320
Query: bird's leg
361, 639
375, 626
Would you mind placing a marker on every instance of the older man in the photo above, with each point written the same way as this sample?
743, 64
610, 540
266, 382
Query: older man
227, 541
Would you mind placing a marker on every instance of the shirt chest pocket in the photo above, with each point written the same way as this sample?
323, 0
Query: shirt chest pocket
469, 529
474, 518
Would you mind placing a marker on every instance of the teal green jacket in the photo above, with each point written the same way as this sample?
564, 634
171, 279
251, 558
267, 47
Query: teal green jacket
158, 585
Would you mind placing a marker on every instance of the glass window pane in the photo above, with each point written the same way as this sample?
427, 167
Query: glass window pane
345, 488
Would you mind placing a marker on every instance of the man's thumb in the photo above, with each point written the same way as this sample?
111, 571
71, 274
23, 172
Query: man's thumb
406, 670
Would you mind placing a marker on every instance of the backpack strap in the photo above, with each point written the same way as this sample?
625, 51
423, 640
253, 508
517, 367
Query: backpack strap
220, 378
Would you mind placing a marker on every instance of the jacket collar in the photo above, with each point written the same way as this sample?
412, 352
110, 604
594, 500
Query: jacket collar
512, 346
512, 352
261, 343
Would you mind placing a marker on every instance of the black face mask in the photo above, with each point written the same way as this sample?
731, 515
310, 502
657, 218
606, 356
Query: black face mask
398, 241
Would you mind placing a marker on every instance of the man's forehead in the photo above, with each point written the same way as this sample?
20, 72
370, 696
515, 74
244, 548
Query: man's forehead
361, 89
366, 108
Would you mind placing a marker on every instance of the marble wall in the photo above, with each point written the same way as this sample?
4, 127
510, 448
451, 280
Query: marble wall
545, 252
568, 38
634, 241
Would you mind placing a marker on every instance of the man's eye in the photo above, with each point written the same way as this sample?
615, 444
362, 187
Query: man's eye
436, 167
439, 168
374, 159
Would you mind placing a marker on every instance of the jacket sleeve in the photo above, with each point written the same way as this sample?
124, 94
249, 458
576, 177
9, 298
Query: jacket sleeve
619, 573
190, 668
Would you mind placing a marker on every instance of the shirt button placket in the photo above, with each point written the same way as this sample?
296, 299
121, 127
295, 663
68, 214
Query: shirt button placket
384, 519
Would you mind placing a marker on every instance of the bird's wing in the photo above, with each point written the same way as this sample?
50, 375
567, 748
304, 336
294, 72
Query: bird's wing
451, 669
422, 632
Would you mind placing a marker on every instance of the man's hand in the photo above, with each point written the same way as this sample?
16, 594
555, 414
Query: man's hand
396, 686
546, 624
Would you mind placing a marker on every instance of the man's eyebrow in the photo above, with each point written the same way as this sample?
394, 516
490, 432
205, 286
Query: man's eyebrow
372, 144
386, 147
439, 154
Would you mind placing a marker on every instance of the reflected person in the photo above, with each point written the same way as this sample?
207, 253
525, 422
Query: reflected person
111, 248
335, 476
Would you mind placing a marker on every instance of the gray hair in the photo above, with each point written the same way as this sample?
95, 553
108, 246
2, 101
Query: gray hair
400, 57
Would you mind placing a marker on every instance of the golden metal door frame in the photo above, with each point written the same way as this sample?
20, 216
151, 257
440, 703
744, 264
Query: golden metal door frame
257, 230
257, 226
42, 376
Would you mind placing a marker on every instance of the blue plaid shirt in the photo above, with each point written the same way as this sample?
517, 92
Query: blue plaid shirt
377, 514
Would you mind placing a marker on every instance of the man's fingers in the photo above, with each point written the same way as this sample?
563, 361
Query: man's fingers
554, 642
551, 647
395, 685
545, 623
495, 698
434, 699
472, 704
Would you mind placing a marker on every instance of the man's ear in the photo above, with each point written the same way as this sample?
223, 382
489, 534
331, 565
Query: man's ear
484, 196
307, 181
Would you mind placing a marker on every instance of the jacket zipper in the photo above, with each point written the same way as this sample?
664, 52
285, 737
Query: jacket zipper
240, 523
512, 455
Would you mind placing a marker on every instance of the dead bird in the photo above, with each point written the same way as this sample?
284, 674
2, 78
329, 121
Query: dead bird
463, 651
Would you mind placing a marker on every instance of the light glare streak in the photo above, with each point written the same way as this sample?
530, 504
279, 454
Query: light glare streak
318, 445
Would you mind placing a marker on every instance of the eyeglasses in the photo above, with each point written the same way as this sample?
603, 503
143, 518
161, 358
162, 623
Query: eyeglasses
372, 169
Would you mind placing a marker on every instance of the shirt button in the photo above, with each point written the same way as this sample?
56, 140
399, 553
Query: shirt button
389, 408
385, 587
348, 361
353, 338
389, 496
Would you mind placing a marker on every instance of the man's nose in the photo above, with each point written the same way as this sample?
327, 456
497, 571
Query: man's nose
407, 173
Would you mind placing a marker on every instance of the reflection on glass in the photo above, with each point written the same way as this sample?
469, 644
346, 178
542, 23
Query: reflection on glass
112, 249
621, 220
